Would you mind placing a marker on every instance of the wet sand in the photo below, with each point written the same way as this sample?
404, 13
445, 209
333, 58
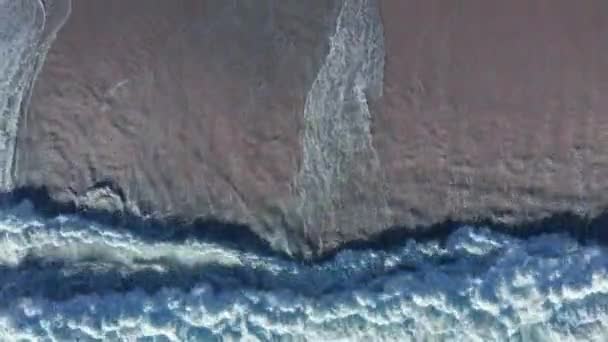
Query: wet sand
318, 124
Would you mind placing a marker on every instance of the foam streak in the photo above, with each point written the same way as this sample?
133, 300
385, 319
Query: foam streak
338, 153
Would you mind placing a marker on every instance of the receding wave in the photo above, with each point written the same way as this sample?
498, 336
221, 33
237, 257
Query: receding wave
67, 278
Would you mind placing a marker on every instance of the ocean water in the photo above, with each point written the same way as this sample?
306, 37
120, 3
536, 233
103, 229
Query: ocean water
66, 278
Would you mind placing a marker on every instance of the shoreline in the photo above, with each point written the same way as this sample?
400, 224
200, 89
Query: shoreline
242, 237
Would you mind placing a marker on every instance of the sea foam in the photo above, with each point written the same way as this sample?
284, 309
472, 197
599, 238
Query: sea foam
67, 278
21, 25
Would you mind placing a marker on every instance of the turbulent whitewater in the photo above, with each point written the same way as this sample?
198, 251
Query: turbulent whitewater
67, 278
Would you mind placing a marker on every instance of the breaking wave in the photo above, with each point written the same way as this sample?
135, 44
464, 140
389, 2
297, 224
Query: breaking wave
67, 278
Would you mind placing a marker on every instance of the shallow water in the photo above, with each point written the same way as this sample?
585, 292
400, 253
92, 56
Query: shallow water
68, 278
21, 25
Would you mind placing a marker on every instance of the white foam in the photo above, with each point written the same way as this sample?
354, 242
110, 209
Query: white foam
21, 25
337, 149
479, 285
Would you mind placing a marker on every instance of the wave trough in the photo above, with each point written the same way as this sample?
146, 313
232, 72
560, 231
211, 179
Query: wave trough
67, 278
